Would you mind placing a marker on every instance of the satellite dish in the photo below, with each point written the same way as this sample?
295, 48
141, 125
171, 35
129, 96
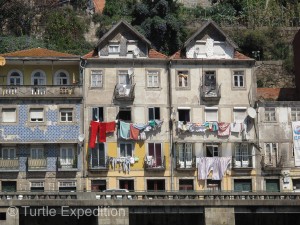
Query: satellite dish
130, 71
251, 112
80, 137
2, 61
136, 52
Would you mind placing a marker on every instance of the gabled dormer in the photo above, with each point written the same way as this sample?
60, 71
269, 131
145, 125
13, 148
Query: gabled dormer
123, 41
209, 42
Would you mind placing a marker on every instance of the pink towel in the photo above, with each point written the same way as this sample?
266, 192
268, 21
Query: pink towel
134, 133
224, 129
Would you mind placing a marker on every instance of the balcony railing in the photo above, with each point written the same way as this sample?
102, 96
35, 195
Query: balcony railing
242, 162
184, 164
155, 163
9, 164
41, 91
212, 93
124, 92
96, 164
37, 164
271, 163
66, 164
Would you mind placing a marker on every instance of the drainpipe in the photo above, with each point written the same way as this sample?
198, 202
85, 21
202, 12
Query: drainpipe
169, 103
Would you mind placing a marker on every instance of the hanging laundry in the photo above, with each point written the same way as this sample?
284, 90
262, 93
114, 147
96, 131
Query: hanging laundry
152, 123
224, 129
140, 126
124, 131
220, 166
235, 127
159, 123
134, 133
102, 132
94, 127
110, 127
142, 136
198, 127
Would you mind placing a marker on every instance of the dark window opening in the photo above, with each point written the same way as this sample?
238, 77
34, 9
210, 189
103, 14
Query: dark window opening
97, 114
124, 114
213, 185
127, 184
154, 113
184, 115
186, 185
3, 216
98, 156
242, 185
9, 186
272, 185
37, 189
98, 185
155, 185
212, 151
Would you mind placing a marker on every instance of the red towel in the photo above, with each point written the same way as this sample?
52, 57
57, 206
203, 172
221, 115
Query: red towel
94, 127
102, 132
110, 126
134, 133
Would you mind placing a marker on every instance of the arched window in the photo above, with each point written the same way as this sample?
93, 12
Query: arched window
15, 77
61, 78
38, 77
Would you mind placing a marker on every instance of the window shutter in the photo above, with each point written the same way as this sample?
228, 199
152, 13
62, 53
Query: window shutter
9, 115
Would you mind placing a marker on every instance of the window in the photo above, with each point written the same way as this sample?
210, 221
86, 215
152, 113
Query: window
238, 79
36, 153
127, 184
97, 78
184, 115
155, 185
15, 78
154, 113
9, 115
36, 115
98, 158
270, 114
97, 114
114, 48
211, 114
126, 150
124, 114
242, 156
124, 78
98, 185
295, 113
183, 78
271, 154
272, 185
9, 186
241, 185
62, 78
131, 46
67, 156
37, 186
155, 152
66, 115
152, 79
8, 153
185, 155
210, 80
296, 185
212, 150
186, 184
239, 114
213, 185
38, 78
67, 186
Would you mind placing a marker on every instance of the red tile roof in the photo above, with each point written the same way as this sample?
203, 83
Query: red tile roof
277, 94
176, 55
157, 55
37, 52
99, 5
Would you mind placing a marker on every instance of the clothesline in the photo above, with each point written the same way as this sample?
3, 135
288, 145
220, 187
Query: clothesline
217, 165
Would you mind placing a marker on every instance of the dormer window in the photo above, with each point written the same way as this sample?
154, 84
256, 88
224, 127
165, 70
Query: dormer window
114, 48
131, 46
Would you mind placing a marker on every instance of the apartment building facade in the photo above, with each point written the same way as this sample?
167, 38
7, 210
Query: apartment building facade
41, 121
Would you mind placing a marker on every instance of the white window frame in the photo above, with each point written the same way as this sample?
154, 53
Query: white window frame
41, 80
67, 159
211, 110
242, 155
11, 152
96, 78
295, 112
66, 113
126, 150
114, 48
153, 79
271, 153
38, 119
59, 79
181, 81
37, 184
37, 153
239, 77
67, 184
154, 115
9, 115
216, 151
270, 114
15, 78
124, 74
239, 114
185, 153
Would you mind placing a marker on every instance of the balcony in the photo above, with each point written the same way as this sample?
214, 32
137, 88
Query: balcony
9, 165
242, 162
155, 163
43, 91
99, 164
37, 164
67, 164
185, 164
210, 93
271, 163
124, 92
